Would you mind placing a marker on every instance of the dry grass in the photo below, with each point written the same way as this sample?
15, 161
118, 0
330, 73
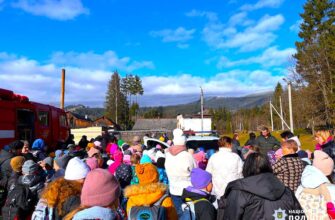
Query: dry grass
307, 140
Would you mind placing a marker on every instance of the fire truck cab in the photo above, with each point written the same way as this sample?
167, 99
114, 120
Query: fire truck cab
21, 119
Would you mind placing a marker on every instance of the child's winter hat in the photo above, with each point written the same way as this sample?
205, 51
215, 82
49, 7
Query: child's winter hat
124, 175
58, 153
48, 161
30, 167
323, 162
97, 144
62, 161
89, 146
16, 163
146, 173
178, 138
76, 169
200, 178
38, 144
100, 188
126, 159
145, 159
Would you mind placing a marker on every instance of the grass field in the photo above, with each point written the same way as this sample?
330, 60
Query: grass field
307, 140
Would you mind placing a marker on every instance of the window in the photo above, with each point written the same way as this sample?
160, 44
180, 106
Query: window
62, 121
43, 118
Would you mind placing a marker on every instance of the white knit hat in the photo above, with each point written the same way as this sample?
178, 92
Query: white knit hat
178, 138
76, 169
97, 143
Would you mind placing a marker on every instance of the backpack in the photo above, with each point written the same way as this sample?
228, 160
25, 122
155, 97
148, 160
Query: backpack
20, 201
154, 212
42, 211
314, 202
189, 210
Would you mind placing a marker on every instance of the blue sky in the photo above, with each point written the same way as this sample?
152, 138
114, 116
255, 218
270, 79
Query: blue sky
231, 48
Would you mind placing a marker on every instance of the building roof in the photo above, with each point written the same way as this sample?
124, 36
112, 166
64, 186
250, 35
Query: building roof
155, 124
105, 118
81, 117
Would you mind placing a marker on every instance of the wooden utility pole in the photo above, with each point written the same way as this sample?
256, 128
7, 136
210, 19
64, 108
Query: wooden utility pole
202, 110
281, 114
271, 116
62, 95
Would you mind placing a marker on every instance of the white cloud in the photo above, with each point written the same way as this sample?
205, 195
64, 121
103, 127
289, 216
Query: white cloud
108, 60
41, 82
296, 26
269, 58
54, 9
262, 4
254, 36
178, 35
212, 16
232, 83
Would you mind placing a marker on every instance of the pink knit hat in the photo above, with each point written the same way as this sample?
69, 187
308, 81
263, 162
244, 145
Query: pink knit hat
323, 162
200, 156
126, 159
100, 193
92, 163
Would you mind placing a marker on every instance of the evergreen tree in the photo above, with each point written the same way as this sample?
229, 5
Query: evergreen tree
315, 57
116, 104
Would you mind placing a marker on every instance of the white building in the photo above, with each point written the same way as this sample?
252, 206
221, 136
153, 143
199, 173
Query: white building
194, 124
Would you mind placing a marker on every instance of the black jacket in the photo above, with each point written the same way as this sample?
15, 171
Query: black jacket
204, 210
34, 182
257, 197
6, 169
12, 181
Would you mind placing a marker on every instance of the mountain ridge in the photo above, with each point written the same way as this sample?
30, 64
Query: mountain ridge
214, 102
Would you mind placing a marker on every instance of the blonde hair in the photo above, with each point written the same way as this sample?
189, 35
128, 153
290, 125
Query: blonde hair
291, 144
323, 135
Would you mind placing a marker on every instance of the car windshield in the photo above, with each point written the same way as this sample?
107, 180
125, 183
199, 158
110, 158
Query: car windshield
206, 144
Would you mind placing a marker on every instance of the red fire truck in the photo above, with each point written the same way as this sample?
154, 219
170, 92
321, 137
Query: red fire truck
21, 119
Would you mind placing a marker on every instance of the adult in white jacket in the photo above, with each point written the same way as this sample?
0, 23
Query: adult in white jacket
225, 166
178, 166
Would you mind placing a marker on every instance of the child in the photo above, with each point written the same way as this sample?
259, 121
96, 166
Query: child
199, 194
135, 159
99, 199
149, 191
289, 167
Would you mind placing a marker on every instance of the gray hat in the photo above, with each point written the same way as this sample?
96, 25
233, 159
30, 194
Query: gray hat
62, 161
48, 161
29, 167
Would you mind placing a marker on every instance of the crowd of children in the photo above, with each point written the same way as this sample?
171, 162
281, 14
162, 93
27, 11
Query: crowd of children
106, 178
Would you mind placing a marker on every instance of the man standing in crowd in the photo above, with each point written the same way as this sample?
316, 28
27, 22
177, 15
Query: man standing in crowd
266, 142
